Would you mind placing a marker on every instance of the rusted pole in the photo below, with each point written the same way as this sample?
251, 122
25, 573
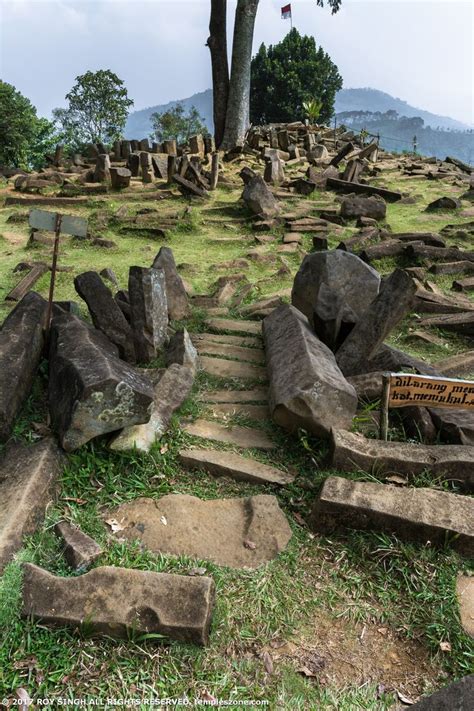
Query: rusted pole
57, 231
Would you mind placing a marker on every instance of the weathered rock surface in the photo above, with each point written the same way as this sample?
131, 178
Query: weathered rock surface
105, 312
420, 515
367, 385
233, 465
307, 389
354, 206
170, 392
333, 289
455, 697
227, 410
255, 395
92, 391
353, 452
21, 347
234, 326
465, 595
238, 436
259, 198
392, 303
148, 311
27, 481
178, 305
222, 368
80, 550
119, 602
181, 350
251, 355
239, 533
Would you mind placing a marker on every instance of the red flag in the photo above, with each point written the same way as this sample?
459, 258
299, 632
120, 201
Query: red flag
286, 12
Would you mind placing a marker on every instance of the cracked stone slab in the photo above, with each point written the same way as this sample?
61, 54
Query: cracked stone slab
80, 550
253, 328
231, 340
28, 477
233, 465
254, 395
250, 355
118, 602
229, 409
419, 515
465, 595
239, 533
238, 436
223, 368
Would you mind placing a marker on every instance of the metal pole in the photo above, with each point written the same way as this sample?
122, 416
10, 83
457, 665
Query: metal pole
384, 406
57, 231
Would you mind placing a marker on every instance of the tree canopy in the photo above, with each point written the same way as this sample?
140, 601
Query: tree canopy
176, 123
24, 137
97, 110
287, 75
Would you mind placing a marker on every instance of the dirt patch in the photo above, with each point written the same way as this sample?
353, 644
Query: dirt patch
339, 653
14, 237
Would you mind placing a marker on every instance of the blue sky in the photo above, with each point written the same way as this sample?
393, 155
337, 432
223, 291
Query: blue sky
419, 50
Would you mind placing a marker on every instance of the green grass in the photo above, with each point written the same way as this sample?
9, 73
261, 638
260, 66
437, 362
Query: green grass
352, 579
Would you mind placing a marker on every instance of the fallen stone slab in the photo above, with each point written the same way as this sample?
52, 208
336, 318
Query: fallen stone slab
421, 515
462, 323
178, 304
465, 595
463, 284
80, 550
148, 311
461, 267
307, 389
230, 409
222, 368
105, 312
238, 533
454, 426
455, 697
423, 251
234, 466
181, 350
429, 302
259, 199
120, 602
171, 391
21, 347
333, 289
251, 355
91, 391
457, 365
234, 326
28, 478
354, 206
347, 187
232, 340
187, 188
254, 395
390, 306
444, 203
368, 386
353, 452
230, 434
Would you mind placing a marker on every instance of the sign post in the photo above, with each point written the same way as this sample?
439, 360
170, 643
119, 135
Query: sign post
59, 224
405, 389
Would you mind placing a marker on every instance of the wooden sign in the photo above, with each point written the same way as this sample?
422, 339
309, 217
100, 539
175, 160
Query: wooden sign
405, 389
425, 390
70, 224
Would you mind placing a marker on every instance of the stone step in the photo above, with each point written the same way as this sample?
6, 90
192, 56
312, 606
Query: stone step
238, 532
422, 515
124, 601
238, 436
242, 341
233, 465
252, 355
254, 395
254, 412
234, 326
231, 369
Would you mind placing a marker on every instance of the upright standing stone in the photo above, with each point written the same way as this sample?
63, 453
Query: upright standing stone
274, 172
125, 149
178, 306
391, 305
102, 169
172, 167
105, 312
120, 178
27, 481
182, 351
133, 164
146, 167
307, 389
148, 311
144, 145
259, 199
80, 550
196, 144
91, 391
21, 347
119, 602
169, 146
117, 150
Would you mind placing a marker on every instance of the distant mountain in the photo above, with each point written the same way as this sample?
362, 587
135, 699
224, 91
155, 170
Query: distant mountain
139, 124
375, 100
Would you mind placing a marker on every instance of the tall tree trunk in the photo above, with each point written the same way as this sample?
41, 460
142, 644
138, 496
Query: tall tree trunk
217, 43
237, 116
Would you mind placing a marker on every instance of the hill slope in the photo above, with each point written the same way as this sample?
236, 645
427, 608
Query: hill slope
139, 124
